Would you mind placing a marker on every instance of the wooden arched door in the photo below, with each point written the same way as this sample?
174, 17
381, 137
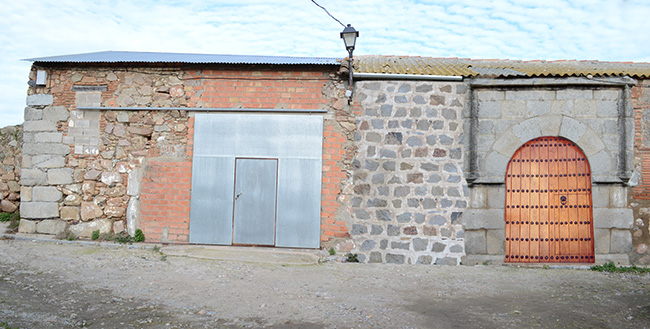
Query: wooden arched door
548, 211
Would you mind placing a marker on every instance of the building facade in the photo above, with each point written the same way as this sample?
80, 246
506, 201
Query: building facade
432, 161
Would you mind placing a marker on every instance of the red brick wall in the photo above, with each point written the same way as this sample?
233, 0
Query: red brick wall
165, 197
641, 134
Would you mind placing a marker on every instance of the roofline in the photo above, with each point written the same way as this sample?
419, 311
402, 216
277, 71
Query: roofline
399, 76
184, 58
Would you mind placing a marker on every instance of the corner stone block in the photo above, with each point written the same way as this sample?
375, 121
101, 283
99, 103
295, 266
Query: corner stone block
51, 226
55, 113
496, 197
40, 100
618, 197
601, 240
39, 210
474, 219
46, 194
27, 226
478, 198
495, 242
59, 176
475, 242
39, 125
621, 242
618, 218
104, 225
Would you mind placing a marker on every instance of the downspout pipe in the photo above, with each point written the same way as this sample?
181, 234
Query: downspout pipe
393, 76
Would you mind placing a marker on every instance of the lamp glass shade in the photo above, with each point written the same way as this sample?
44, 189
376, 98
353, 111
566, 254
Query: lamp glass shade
349, 36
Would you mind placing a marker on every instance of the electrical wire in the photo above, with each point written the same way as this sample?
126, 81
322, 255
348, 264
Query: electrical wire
323, 8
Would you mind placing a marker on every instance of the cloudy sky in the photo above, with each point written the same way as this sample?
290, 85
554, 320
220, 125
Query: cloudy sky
606, 30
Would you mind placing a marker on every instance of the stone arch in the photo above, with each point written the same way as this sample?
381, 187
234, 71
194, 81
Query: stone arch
494, 164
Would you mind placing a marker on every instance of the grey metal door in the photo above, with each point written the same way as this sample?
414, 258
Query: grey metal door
255, 199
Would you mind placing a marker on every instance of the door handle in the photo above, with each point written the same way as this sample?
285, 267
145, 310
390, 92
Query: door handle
238, 195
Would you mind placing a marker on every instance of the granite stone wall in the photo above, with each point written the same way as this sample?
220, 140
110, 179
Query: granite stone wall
408, 187
11, 138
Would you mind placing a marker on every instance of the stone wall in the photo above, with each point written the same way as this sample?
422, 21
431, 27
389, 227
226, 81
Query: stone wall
11, 139
109, 148
505, 114
408, 187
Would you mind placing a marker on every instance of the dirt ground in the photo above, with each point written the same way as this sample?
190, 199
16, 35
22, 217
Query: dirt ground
49, 285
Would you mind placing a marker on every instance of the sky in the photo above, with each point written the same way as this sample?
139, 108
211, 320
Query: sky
605, 30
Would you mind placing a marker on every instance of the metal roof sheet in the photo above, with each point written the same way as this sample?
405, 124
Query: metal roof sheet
153, 57
496, 68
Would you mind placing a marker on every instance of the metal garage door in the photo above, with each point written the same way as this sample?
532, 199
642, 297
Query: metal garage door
290, 145
548, 204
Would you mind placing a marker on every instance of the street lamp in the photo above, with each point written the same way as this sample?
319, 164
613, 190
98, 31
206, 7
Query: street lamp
349, 36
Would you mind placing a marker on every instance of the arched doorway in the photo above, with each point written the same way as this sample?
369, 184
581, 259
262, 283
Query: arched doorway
548, 211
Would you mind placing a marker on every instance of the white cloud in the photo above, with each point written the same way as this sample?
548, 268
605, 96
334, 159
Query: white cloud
517, 29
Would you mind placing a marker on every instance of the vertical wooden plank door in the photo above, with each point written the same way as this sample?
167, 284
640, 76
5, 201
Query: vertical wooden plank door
255, 201
548, 213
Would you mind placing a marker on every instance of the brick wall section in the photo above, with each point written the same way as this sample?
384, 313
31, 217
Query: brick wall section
165, 196
640, 195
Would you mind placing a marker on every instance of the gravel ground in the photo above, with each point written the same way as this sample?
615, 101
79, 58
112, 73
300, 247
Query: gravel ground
49, 285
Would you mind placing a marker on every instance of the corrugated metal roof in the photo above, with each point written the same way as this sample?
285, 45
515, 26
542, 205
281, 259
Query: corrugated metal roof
152, 57
496, 68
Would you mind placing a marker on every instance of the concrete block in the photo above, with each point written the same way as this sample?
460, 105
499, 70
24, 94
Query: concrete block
48, 137
39, 210
46, 194
496, 197
550, 125
618, 196
607, 109
478, 198
474, 219
539, 95
621, 241
591, 143
40, 100
51, 226
618, 218
88, 98
27, 226
55, 113
59, 176
489, 109
30, 177
513, 109
601, 240
572, 129
495, 242
39, 125
475, 242
575, 94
